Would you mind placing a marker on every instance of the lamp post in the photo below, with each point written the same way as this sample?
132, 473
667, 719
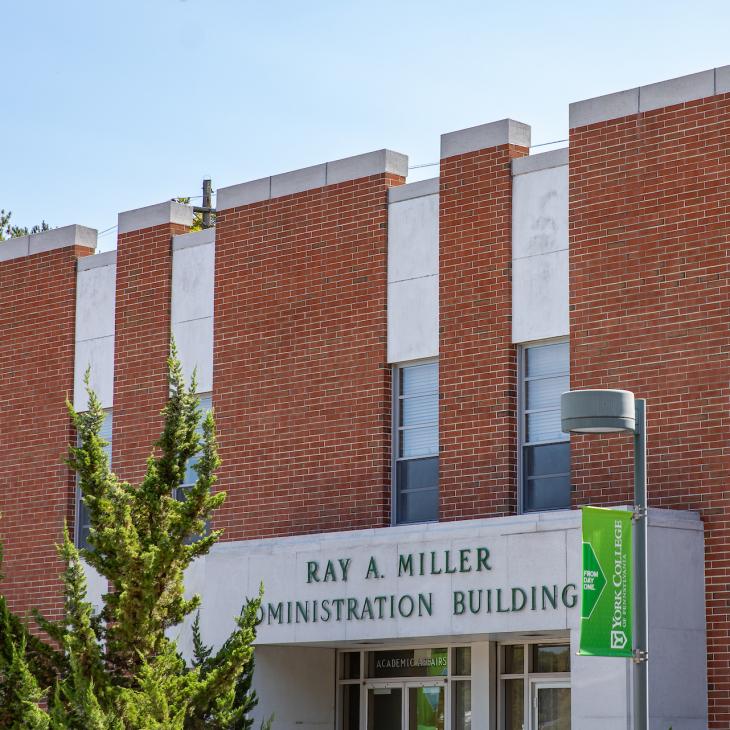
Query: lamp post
612, 411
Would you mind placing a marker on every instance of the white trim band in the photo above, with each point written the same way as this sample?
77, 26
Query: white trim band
310, 178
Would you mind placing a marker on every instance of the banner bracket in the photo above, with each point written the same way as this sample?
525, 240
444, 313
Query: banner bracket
640, 656
639, 513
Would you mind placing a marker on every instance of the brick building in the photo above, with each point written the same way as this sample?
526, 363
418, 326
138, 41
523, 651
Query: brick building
385, 362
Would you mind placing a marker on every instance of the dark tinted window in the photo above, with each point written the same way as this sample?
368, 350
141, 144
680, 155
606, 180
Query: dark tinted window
82, 512
416, 447
545, 448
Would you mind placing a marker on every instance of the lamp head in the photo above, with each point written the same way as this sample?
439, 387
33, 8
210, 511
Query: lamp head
597, 411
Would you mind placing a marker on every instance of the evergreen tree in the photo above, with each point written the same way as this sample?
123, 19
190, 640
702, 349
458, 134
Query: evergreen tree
120, 670
7, 230
244, 696
20, 694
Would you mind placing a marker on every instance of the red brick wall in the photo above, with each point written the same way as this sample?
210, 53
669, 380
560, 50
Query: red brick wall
650, 312
478, 362
37, 315
141, 344
301, 381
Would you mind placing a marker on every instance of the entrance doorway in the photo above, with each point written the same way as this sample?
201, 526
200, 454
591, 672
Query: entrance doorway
406, 706
534, 686
420, 688
550, 705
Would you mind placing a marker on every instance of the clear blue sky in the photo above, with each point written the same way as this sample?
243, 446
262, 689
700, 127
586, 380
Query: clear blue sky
112, 106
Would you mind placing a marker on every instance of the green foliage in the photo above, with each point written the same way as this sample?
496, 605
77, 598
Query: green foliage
7, 230
119, 669
19, 692
240, 699
4, 223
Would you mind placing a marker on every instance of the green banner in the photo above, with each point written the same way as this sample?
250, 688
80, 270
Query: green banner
607, 598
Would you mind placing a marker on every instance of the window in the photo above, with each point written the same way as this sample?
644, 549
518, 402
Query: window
349, 696
206, 404
416, 443
82, 512
545, 449
534, 686
461, 688
418, 688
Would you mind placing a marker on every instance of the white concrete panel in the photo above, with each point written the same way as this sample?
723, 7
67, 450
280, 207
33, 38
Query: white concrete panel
674, 603
540, 212
233, 571
418, 189
244, 193
96, 586
722, 80
413, 238
14, 248
193, 238
194, 340
95, 299
674, 694
677, 627
107, 258
308, 178
193, 272
684, 723
155, 215
600, 108
504, 131
600, 690
413, 319
603, 724
54, 238
653, 96
540, 161
481, 694
677, 91
370, 163
49, 240
533, 554
540, 297
98, 356
195, 585
297, 686
211, 579
573, 559
297, 181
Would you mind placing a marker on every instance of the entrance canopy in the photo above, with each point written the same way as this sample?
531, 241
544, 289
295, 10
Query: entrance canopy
476, 578
443, 579
483, 584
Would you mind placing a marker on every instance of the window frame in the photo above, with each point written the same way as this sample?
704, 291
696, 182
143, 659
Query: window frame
208, 394
522, 418
529, 676
108, 412
364, 683
395, 370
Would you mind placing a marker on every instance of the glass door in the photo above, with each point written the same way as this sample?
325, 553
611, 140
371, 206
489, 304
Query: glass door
385, 707
426, 708
550, 705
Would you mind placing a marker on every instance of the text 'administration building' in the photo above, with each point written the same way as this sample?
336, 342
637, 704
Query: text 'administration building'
385, 362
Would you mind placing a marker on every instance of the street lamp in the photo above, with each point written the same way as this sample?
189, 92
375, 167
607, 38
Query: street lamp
617, 411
